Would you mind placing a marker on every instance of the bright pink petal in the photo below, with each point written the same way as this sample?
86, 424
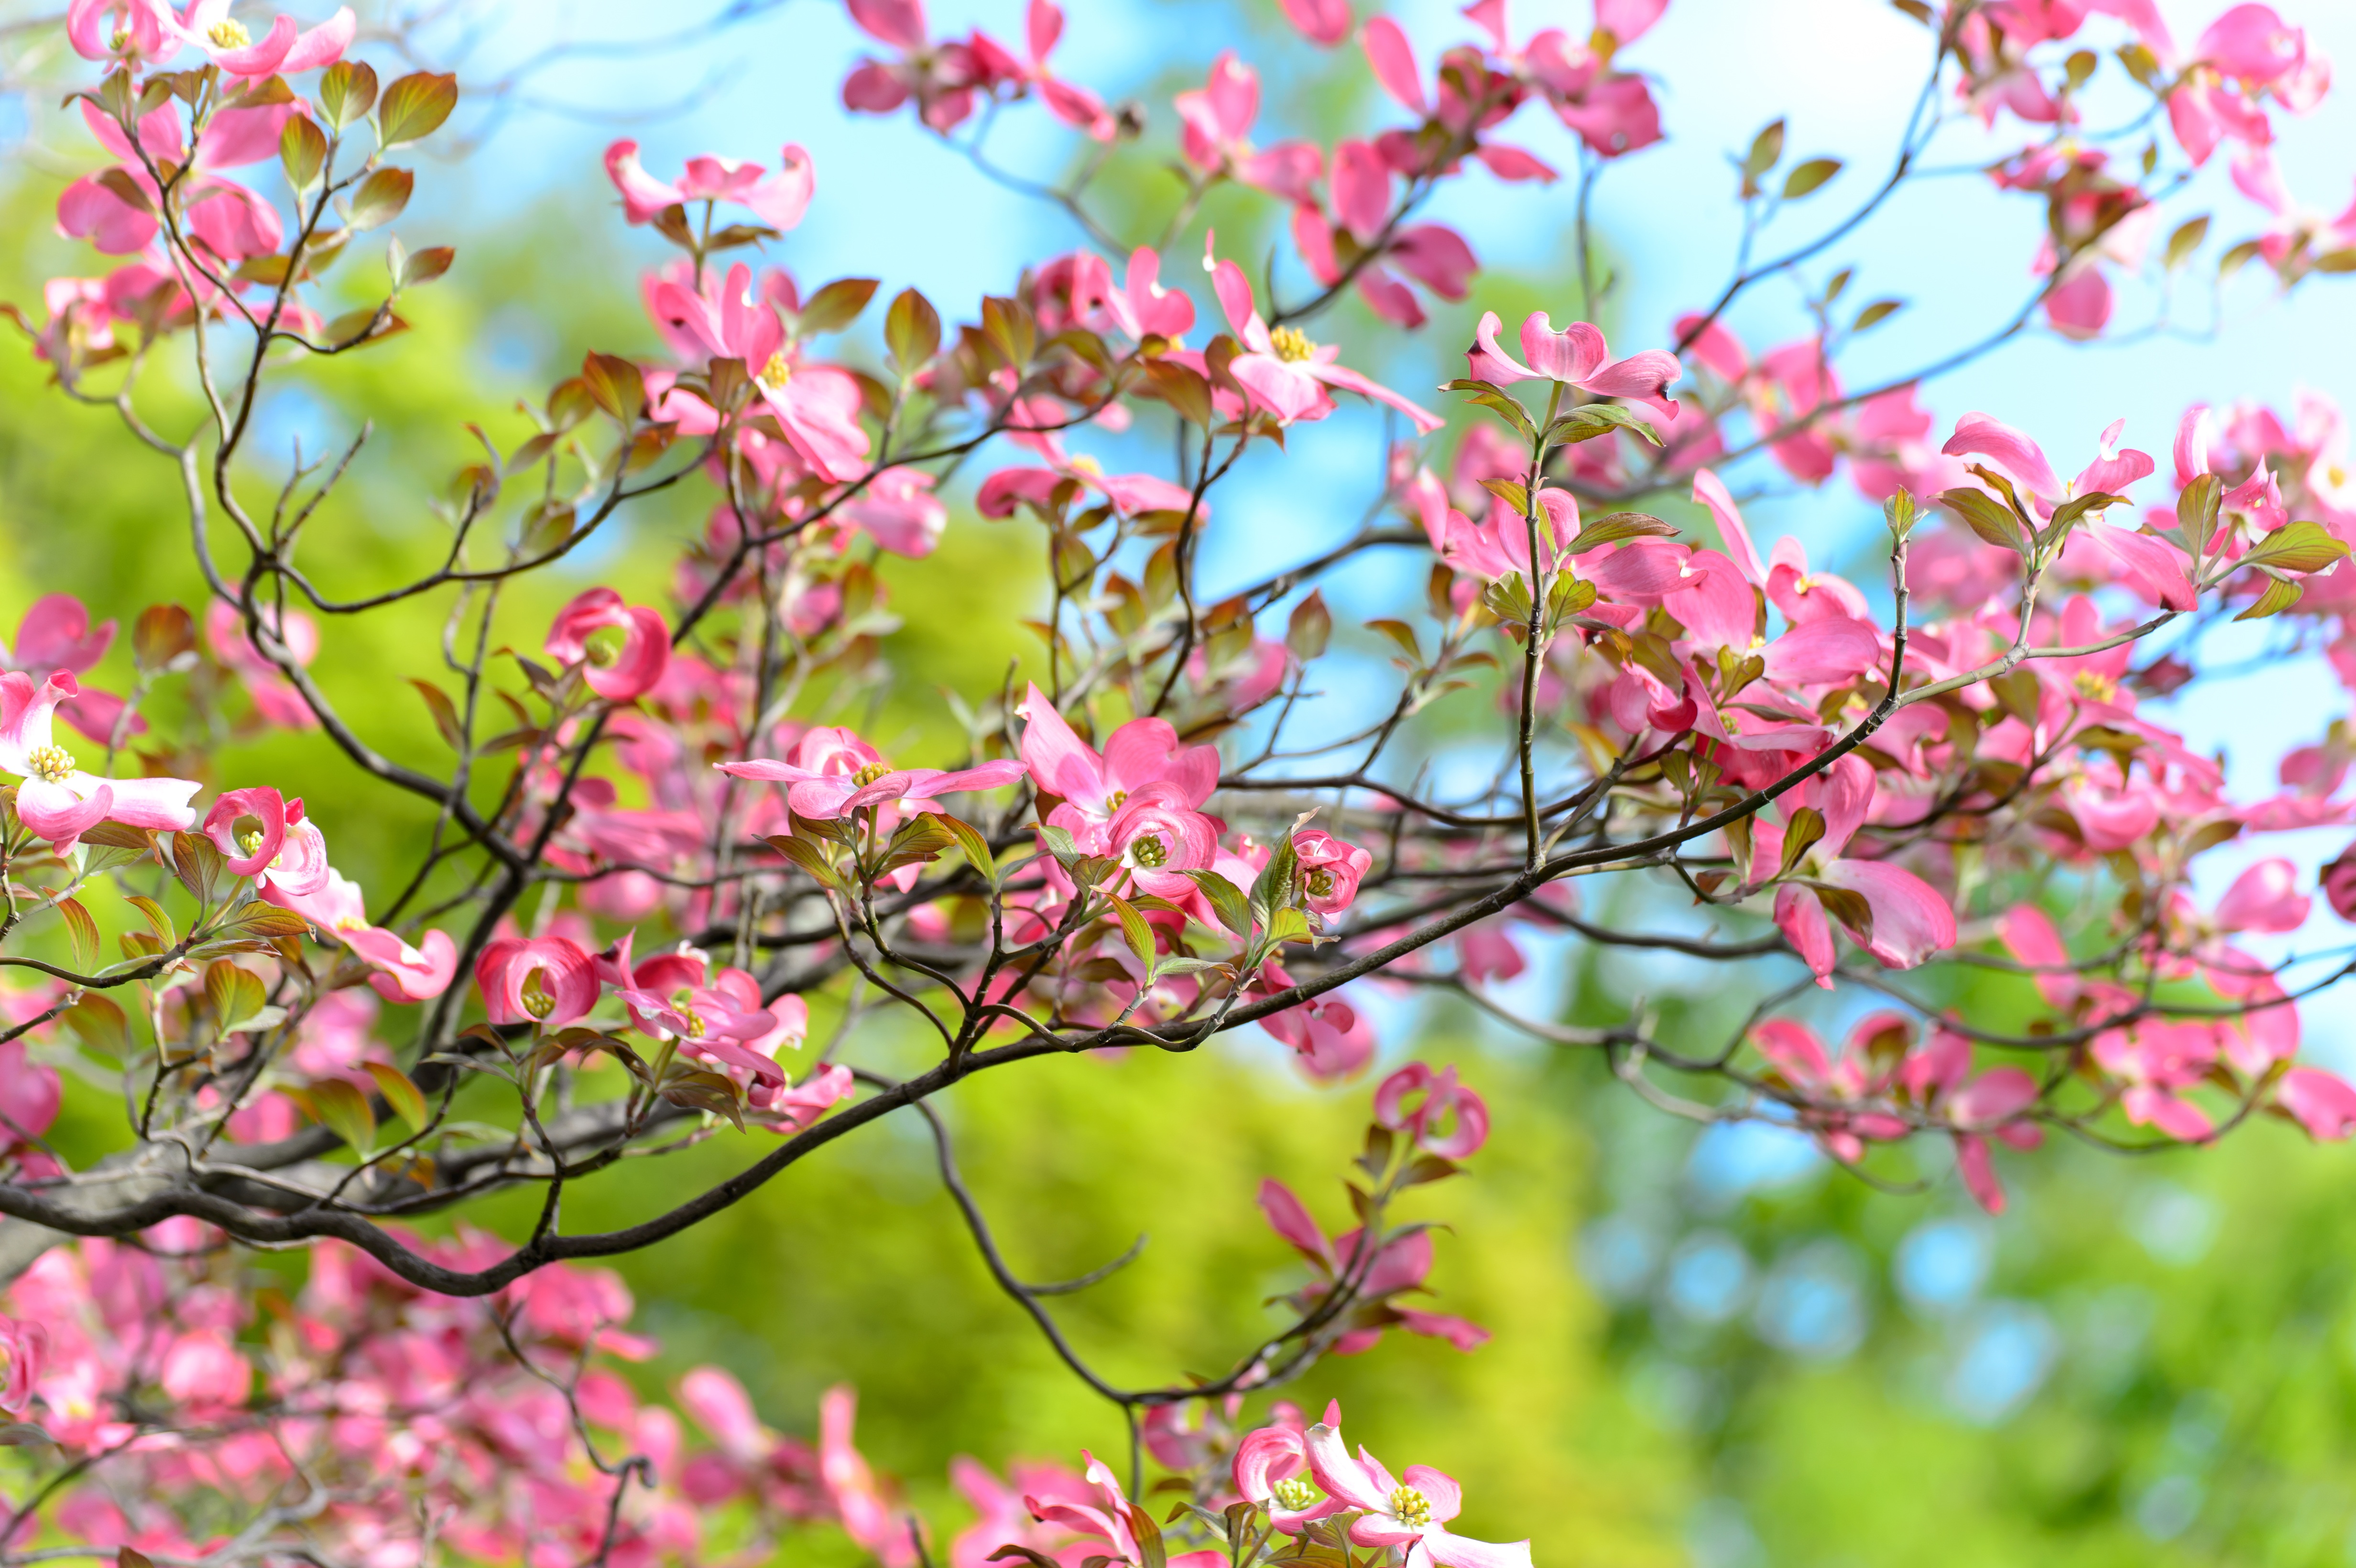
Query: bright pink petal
1910, 922
1393, 59
2007, 451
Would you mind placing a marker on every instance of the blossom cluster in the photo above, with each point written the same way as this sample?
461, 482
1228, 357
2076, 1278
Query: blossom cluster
680, 861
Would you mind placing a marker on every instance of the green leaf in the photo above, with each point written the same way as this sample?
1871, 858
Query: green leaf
1512, 492
1809, 177
2234, 260
444, 712
83, 932
407, 1102
1619, 526
1847, 907
1008, 326
366, 324
1310, 628
701, 1090
301, 152
414, 107
1984, 515
235, 995
616, 385
1898, 512
1275, 888
1569, 596
416, 267
1874, 314
343, 1111
808, 857
347, 92
381, 197
1591, 420
1400, 633
2280, 595
835, 306
1766, 150
2196, 510
1490, 397
2297, 547
973, 846
1134, 929
913, 330
99, 1024
2066, 515
197, 864
258, 919
164, 633
1227, 899
157, 920
2185, 241
1806, 828
1060, 843
1183, 389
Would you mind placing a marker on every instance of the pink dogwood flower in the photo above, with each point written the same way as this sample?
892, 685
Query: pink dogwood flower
288, 47
1577, 356
1444, 1118
24, 1349
1325, 22
674, 995
1287, 375
816, 406
1113, 1519
275, 697
620, 668
57, 799
2323, 1102
220, 215
777, 200
1217, 119
1408, 1514
899, 512
1271, 1469
1903, 922
111, 30
835, 773
31, 1095
1096, 784
544, 980
1330, 870
55, 635
404, 973
262, 835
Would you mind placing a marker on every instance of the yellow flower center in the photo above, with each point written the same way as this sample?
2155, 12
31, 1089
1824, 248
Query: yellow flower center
1113, 801
1292, 344
51, 764
536, 998
1411, 1508
870, 773
1294, 1493
228, 35
777, 371
249, 842
1148, 851
120, 40
351, 923
1320, 884
2095, 687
